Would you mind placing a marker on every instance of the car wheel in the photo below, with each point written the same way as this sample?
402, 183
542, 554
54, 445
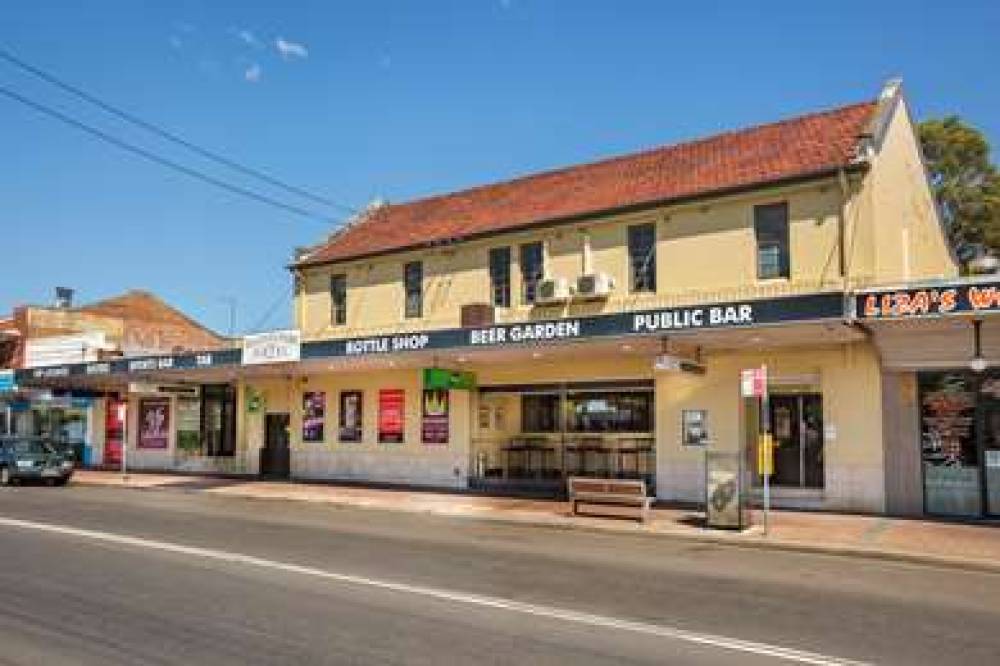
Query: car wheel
61, 482
6, 478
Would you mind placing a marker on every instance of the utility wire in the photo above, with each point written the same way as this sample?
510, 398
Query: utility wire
163, 161
167, 135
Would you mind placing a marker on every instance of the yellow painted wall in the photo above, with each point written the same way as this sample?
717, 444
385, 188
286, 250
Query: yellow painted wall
411, 461
849, 380
900, 236
705, 252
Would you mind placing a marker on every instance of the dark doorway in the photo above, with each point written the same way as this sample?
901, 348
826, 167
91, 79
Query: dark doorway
275, 460
797, 425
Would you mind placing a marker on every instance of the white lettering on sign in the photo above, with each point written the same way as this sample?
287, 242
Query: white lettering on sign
202, 360
99, 369
498, 335
272, 347
722, 315
384, 345
142, 364
47, 373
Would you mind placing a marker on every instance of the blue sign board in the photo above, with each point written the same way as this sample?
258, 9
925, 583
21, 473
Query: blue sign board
7, 382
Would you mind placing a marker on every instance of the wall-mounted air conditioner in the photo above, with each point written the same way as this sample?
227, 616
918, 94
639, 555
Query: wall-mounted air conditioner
595, 285
552, 290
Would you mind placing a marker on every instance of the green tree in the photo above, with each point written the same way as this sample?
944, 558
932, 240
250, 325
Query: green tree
965, 182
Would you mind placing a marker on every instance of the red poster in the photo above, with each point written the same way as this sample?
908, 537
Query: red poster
154, 423
391, 416
114, 432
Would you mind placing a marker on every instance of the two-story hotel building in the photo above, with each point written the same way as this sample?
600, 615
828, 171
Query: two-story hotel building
596, 320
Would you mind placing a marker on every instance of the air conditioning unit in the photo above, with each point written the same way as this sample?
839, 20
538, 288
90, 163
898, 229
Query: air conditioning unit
552, 290
595, 285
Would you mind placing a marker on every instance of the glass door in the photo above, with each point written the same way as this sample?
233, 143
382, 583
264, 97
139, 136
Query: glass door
991, 456
797, 427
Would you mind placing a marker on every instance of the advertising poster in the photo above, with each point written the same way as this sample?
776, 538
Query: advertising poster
313, 415
391, 417
435, 416
154, 423
350, 416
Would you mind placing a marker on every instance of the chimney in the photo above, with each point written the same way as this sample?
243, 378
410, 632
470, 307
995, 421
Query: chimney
64, 298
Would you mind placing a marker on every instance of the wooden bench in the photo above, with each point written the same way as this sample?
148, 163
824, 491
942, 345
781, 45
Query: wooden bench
610, 492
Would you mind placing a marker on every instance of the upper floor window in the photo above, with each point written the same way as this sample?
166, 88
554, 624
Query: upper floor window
338, 299
500, 276
770, 224
413, 287
642, 257
532, 270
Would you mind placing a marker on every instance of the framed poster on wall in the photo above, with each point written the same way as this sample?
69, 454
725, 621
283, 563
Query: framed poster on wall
350, 416
434, 428
313, 416
391, 416
154, 423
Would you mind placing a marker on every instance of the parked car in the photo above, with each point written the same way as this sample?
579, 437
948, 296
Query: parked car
27, 458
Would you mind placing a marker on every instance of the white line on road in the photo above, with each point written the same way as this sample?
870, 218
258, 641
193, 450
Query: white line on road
551, 612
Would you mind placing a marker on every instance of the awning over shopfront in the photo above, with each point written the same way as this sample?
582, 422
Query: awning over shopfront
646, 326
933, 326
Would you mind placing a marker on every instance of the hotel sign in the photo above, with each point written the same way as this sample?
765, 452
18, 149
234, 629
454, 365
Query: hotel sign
287, 347
969, 298
272, 347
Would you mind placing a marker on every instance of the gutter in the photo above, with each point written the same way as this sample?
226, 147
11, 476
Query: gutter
827, 172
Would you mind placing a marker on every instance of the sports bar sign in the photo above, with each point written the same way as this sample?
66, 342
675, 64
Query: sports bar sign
965, 298
286, 346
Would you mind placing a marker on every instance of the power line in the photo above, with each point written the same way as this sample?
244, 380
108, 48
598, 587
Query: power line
169, 136
163, 161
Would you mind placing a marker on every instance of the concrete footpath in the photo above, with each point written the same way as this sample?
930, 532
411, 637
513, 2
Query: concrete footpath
974, 545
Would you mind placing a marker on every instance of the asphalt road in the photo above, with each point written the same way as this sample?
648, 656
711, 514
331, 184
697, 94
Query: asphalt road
106, 576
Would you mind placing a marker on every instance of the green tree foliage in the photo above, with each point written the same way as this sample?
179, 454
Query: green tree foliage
966, 183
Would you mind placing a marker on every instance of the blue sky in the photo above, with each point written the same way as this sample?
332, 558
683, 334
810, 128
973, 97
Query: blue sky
398, 100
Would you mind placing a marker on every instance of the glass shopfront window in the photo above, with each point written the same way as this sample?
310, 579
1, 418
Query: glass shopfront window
599, 412
960, 442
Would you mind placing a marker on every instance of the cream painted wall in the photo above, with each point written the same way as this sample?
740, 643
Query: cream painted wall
900, 235
704, 252
850, 382
410, 462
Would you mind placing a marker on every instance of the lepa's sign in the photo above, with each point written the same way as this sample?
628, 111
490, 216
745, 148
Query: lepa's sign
970, 298
272, 347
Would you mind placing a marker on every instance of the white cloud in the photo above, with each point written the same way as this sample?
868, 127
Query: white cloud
176, 42
289, 50
247, 37
252, 73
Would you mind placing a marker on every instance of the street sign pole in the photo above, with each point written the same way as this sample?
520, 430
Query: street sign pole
765, 420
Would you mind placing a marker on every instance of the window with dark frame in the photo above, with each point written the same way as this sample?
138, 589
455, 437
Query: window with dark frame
532, 270
540, 412
770, 224
642, 257
351, 416
338, 299
218, 420
413, 286
500, 277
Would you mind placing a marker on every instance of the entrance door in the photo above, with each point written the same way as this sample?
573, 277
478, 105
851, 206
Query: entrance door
275, 456
991, 456
797, 427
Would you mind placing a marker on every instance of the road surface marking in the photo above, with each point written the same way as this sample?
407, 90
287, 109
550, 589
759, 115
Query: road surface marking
550, 612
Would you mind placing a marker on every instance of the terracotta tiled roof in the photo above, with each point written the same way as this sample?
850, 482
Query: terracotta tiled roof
798, 147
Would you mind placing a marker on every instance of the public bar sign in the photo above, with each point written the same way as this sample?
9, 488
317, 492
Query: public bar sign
969, 298
287, 346
272, 347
